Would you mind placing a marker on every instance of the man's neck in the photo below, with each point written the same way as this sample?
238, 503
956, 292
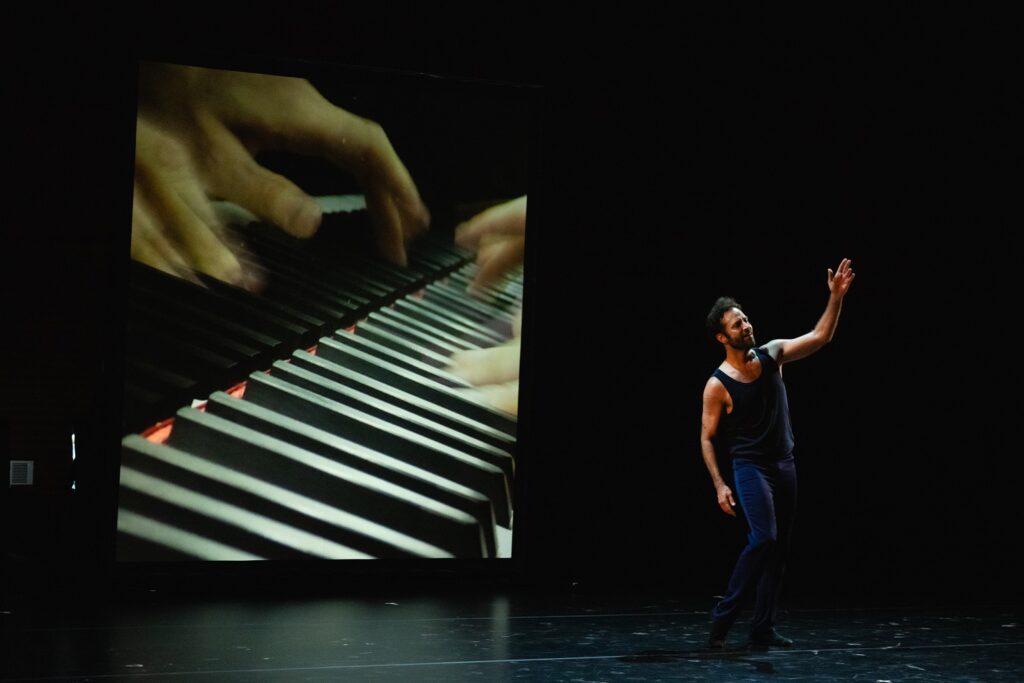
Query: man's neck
740, 359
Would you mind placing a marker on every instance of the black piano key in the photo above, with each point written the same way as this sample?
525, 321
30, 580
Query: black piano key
283, 396
228, 324
328, 270
290, 291
426, 371
327, 482
152, 390
179, 356
400, 319
367, 385
220, 341
397, 416
292, 522
162, 380
406, 380
414, 335
402, 344
338, 449
283, 321
468, 306
398, 279
310, 276
493, 294
433, 318
318, 281
454, 318
157, 288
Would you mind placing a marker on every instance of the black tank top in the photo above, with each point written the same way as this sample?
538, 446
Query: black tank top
758, 426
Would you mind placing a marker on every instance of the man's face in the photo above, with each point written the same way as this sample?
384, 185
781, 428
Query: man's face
737, 331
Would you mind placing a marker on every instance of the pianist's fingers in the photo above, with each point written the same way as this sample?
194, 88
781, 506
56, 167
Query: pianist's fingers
171, 201
235, 176
499, 236
504, 397
507, 219
151, 246
387, 224
497, 258
227, 116
362, 147
307, 123
487, 366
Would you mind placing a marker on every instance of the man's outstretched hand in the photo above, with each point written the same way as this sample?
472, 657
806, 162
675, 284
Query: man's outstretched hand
839, 282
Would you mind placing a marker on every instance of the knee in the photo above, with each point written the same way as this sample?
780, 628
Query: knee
763, 541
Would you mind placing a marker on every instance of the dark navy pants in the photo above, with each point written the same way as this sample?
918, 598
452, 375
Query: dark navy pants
766, 491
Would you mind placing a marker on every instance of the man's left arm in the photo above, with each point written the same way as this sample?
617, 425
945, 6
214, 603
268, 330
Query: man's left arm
785, 350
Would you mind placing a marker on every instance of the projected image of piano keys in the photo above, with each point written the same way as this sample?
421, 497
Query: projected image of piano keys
358, 443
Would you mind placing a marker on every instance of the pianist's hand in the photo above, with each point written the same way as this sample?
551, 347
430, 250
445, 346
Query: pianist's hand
174, 227
221, 119
498, 235
493, 372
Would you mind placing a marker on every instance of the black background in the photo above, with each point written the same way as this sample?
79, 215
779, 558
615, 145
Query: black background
680, 158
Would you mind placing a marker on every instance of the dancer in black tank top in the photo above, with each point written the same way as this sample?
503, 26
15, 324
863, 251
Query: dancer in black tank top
746, 415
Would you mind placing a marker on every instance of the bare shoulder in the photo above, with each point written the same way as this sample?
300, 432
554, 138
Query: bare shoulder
774, 349
714, 389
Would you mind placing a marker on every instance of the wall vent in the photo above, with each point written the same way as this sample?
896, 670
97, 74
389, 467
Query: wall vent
21, 472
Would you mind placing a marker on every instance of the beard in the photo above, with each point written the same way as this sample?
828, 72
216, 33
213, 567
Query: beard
742, 343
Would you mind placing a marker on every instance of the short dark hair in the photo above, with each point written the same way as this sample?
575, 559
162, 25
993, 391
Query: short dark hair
714, 321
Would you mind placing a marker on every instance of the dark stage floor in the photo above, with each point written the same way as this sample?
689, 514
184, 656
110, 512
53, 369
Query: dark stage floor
497, 638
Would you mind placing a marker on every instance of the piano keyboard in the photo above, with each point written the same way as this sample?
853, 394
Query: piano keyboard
329, 426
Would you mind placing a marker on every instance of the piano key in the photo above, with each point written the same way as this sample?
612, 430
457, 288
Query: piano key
495, 293
454, 317
402, 344
433, 411
414, 335
323, 282
145, 539
282, 396
392, 413
233, 526
330, 483
180, 356
181, 327
426, 371
159, 289
332, 271
422, 312
353, 535
402, 320
338, 449
378, 401
291, 291
415, 384
468, 306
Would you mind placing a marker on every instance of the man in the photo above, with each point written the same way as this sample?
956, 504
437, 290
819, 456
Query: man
747, 412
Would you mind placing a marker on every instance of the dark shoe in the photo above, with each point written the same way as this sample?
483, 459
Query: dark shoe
716, 641
769, 639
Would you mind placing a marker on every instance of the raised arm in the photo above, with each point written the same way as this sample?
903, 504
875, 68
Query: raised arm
785, 350
714, 400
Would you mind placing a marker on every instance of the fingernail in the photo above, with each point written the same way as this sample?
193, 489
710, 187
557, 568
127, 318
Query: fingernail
304, 217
